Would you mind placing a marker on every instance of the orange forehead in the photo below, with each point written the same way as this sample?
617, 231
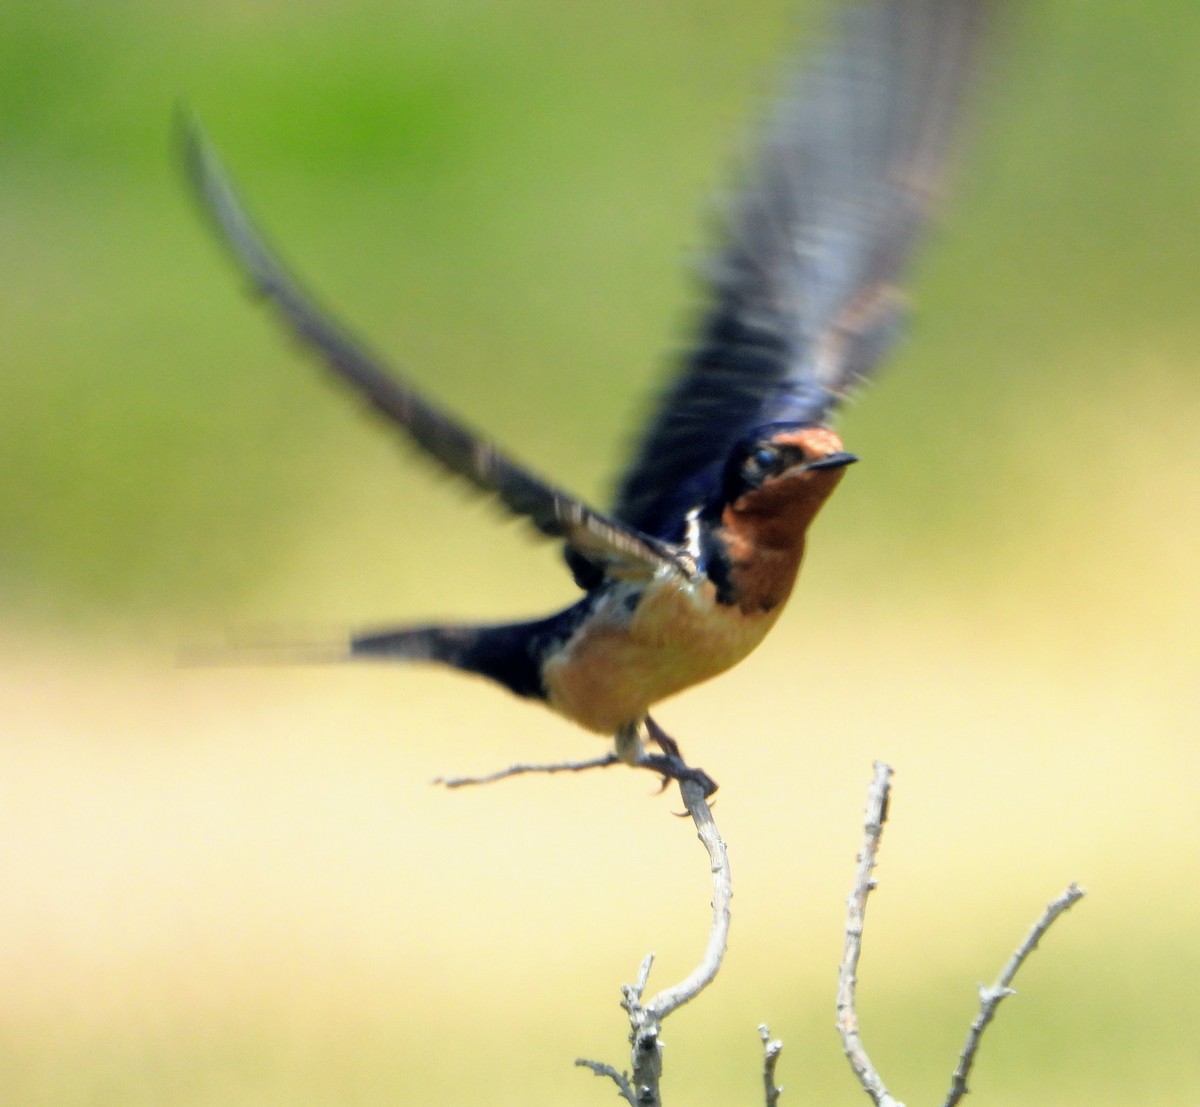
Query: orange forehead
816, 442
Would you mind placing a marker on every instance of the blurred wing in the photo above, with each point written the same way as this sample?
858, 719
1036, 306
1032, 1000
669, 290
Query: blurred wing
555, 513
803, 300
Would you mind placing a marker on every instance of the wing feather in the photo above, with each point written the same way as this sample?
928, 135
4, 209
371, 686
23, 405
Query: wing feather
803, 299
555, 513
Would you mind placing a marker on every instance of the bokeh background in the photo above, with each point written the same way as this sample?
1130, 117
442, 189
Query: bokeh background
237, 886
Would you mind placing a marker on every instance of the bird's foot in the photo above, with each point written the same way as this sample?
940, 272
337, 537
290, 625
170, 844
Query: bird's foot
670, 763
670, 767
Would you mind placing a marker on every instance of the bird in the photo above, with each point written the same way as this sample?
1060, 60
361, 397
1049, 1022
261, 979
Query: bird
691, 567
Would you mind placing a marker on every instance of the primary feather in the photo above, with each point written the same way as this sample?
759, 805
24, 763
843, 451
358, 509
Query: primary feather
802, 298
463, 451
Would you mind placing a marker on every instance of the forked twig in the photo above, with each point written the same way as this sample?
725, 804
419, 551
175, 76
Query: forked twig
990, 998
645, 1019
599, 1068
772, 1048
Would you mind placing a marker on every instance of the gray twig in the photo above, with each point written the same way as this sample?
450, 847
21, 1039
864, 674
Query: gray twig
669, 999
619, 1078
990, 998
856, 909
645, 1019
772, 1048
518, 770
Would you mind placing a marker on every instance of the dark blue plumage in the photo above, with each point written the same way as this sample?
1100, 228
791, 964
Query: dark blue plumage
691, 568
801, 299
510, 654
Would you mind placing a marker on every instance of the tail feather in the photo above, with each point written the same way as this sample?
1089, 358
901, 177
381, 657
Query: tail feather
266, 650
510, 654
447, 644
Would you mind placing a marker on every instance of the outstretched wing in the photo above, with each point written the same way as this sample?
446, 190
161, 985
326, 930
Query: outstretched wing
555, 513
803, 300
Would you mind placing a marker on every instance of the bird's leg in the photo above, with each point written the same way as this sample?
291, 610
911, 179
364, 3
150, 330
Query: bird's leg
670, 762
628, 744
662, 739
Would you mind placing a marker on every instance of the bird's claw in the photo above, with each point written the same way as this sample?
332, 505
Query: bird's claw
673, 767
670, 763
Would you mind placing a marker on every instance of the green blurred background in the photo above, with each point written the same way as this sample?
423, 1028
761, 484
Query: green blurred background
231, 886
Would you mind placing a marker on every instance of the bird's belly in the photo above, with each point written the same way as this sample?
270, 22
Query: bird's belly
617, 665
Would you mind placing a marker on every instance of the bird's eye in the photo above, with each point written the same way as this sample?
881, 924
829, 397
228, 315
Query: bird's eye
761, 462
763, 458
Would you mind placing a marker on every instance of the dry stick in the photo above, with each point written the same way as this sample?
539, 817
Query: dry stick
669, 999
599, 1068
645, 1019
772, 1048
990, 998
518, 770
856, 909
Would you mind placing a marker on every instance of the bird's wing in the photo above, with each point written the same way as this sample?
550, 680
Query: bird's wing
802, 300
555, 513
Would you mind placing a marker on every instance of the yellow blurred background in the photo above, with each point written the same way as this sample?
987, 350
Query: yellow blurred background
237, 886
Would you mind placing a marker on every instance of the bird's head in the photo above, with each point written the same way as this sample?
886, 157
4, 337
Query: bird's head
783, 472
774, 484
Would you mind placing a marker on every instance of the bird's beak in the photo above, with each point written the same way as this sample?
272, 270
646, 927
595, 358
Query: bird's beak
833, 461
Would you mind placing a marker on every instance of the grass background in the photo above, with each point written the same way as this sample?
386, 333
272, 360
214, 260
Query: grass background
237, 887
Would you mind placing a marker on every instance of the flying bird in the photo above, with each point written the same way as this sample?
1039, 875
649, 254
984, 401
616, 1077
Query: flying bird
691, 567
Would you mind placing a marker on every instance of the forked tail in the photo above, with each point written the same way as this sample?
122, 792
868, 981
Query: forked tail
510, 654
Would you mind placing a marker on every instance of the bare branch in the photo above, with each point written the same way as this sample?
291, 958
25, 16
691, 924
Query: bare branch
641, 1088
618, 1078
518, 770
670, 999
990, 998
645, 1019
632, 993
856, 909
772, 1048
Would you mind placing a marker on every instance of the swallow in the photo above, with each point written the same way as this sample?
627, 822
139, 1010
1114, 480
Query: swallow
692, 566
